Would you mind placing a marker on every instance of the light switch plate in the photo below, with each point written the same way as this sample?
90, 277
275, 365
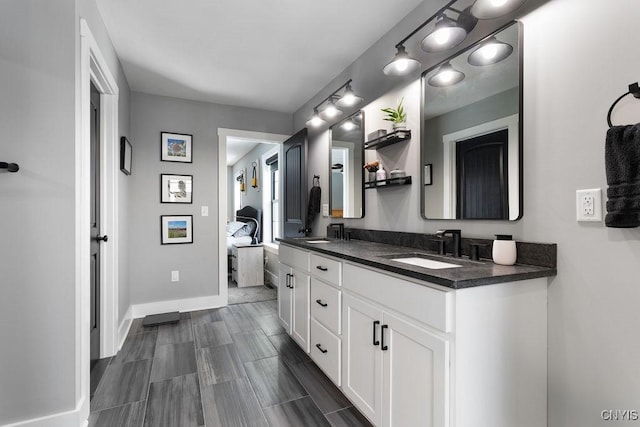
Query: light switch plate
589, 205
204, 210
325, 209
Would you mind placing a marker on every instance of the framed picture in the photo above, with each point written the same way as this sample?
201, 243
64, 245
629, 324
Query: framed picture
176, 229
428, 174
126, 153
175, 147
176, 188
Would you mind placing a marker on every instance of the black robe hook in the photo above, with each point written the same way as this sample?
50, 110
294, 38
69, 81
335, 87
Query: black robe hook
11, 167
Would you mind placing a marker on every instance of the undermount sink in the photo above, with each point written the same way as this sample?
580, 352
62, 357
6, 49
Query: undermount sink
426, 263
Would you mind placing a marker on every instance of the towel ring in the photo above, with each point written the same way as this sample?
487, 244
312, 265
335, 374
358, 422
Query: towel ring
634, 90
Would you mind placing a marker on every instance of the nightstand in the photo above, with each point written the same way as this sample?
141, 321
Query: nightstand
247, 265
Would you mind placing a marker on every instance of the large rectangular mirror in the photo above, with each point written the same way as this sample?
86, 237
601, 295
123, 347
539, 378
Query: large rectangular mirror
471, 143
346, 195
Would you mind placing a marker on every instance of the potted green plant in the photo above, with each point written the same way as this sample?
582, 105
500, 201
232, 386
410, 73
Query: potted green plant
397, 116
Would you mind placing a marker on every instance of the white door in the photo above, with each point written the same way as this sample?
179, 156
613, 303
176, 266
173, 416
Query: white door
284, 296
416, 376
301, 293
362, 357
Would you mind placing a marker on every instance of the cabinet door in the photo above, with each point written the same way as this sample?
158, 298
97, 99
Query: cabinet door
301, 294
284, 297
361, 358
416, 376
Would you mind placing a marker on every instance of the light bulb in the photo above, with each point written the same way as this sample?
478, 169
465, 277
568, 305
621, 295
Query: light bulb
349, 125
331, 111
402, 64
442, 36
446, 76
316, 121
489, 51
348, 99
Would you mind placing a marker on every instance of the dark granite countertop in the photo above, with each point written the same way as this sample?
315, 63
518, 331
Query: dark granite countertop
378, 255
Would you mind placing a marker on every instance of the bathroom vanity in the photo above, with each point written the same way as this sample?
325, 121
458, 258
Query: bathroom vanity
459, 344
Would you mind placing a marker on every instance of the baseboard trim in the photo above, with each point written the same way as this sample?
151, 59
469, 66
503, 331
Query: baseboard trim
125, 325
61, 419
187, 304
272, 278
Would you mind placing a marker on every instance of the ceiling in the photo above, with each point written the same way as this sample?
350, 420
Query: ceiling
266, 54
237, 148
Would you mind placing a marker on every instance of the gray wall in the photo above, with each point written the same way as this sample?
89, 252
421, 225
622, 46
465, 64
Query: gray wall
151, 263
571, 76
38, 66
253, 196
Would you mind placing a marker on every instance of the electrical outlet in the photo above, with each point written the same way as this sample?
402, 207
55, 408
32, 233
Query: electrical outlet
589, 205
204, 210
175, 276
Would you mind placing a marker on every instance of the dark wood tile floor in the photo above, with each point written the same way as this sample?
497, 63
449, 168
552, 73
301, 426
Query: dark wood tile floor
232, 366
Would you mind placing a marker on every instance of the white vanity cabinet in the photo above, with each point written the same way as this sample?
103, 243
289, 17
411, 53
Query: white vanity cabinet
293, 293
396, 372
411, 353
416, 355
326, 314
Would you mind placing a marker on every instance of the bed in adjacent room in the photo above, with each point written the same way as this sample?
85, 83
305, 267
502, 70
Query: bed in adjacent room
246, 229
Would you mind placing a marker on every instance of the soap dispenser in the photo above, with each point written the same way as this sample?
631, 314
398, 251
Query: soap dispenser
504, 250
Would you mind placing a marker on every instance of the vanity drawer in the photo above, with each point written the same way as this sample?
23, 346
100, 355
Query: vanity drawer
430, 306
326, 351
325, 305
294, 257
326, 269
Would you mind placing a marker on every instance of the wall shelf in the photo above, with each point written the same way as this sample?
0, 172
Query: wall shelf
391, 182
388, 139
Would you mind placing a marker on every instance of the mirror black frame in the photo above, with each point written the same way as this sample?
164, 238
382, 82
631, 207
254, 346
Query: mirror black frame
423, 82
361, 114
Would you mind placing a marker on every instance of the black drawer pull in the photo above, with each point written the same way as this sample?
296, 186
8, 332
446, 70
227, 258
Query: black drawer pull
383, 347
375, 340
321, 349
319, 301
321, 268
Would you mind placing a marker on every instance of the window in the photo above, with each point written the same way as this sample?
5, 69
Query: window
274, 197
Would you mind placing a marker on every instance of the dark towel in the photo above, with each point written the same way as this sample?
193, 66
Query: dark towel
622, 163
314, 204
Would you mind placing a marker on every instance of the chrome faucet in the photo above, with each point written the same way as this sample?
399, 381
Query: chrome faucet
339, 231
455, 238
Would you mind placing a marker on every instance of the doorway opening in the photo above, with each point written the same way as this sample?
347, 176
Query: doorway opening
228, 185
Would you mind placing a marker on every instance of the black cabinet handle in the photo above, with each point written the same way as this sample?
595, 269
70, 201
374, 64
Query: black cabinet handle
290, 281
383, 347
102, 239
321, 268
321, 349
375, 340
319, 301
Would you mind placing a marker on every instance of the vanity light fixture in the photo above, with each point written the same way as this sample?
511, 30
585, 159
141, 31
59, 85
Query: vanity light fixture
349, 125
490, 52
315, 120
328, 109
349, 99
401, 64
446, 76
489, 9
446, 35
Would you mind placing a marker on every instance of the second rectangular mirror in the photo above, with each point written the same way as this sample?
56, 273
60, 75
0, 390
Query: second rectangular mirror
346, 195
471, 148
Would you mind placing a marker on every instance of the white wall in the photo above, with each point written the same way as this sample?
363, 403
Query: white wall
150, 262
578, 58
252, 196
